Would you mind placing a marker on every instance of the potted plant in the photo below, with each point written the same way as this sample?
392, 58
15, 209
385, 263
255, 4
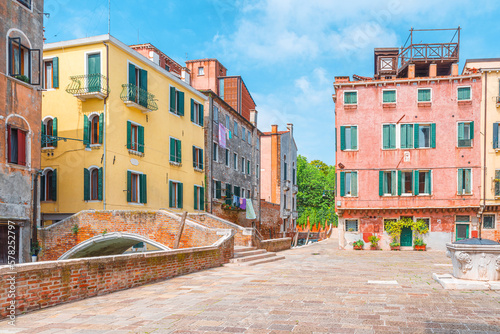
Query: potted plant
373, 242
35, 248
419, 245
395, 245
358, 245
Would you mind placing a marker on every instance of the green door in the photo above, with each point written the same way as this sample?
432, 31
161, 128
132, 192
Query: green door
406, 237
94, 72
461, 231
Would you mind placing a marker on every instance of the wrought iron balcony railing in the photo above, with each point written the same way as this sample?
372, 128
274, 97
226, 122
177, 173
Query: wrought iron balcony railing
89, 86
138, 98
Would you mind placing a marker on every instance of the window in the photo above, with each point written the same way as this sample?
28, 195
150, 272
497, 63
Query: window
249, 137
257, 171
201, 70
427, 222
243, 137
167, 67
351, 225
465, 134
389, 96
197, 113
199, 198
489, 221
216, 114
237, 191
388, 183
388, 220
496, 139
48, 185
235, 129
221, 90
217, 189
135, 137
349, 184
497, 183
26, 3
51, 73
243, 165
463, 93
235, 161
425, 135
136, 187
197, 158
24, 63
348, 138
16, 145
92, 184
175, 194
215, 153
406, 136
248, 167
49, 131
350, 97
94, 130
464, 181
423, 177
175, 150
462, 219
229, 194
389, 136
228, 122
227, 157
176, 101
294, 175
406, 183
137, 81
424, 95
248, 194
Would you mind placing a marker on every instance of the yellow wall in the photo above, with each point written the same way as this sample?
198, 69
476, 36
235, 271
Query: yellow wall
70, 158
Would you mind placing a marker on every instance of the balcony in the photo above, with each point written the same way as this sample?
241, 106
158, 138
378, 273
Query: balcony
89, 86
285, 213
295, 215
285, 185
295, 189
138, 98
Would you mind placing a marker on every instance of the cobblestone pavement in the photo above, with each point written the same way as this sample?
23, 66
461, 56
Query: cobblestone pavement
317, 289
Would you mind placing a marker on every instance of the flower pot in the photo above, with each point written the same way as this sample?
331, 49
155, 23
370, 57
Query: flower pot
358, 247
419, 248
395, 248
373, 247
33, 258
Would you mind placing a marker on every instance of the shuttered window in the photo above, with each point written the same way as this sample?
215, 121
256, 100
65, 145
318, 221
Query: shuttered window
463, 93
135, 137
215, 152
49, 132
388, 182
405, 183
196, 112
389, 96
16, 146
464, 181
423, 182
48, 185
351, 98
497, 182
465, 134
175, 150
424, 135
92, 184
349, 137
136, 187
176, 101
496, 142
217, 189
93, 131
199, 198
175, 193
197, 158
406, 136
389, 136
229, 193
424, 95
349, 184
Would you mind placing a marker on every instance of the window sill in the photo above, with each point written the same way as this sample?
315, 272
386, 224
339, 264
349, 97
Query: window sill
389, 104
175, 113
94, 201
390, 149
48, 148
465, 146
424, 104
178, 164
13, 165
350, 150
25, 84
464, 102
350, 106
199, 170
136, 203
134, 152
465, 194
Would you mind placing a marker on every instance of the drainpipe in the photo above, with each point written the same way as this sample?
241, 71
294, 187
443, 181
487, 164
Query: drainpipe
484, 148
104, 131
210, 145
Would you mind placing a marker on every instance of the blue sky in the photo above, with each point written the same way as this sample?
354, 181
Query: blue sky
287, 51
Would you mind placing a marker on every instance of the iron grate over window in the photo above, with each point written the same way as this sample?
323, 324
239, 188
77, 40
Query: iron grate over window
26, 3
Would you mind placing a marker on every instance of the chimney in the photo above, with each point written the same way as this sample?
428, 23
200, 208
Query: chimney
289, 126
274, 128
342, 79
454, 69
432, 70
253, 117
186, 75
411, 71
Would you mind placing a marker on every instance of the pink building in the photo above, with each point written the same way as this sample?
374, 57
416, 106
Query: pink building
407, 147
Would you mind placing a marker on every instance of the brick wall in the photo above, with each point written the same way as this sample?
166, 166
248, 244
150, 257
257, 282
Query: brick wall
160, 226
44, 284
274, 245
270, 221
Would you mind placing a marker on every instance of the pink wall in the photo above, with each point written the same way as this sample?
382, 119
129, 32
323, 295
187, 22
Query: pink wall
444, 160
265, 168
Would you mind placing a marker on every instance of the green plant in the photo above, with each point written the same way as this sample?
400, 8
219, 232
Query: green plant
394, 244
22, 78
351, 230
419, 242
35, 248
394, 227
105, 231
373, 240
358, 243
75, 229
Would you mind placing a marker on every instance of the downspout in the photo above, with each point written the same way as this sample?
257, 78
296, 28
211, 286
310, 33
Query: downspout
104, 130
209, 144
484, 149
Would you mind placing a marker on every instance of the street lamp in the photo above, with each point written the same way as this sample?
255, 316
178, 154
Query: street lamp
46, 139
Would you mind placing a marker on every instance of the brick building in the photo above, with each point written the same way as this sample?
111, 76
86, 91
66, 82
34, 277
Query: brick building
408, 146
279, 174
231, 141
21, 37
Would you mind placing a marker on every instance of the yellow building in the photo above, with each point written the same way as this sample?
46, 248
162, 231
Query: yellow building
490, 143
133, 129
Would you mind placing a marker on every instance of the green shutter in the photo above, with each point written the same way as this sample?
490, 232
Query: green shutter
180, 195
172, 99
433, 135
195, 197
342, 184
129, 186
194, 157
218, 189
460, 181
129, 135
404, 135
392, 140
228, 193
55, 72
389, 96
44, 138
428, 180
141, 138
132, 82
461, 131
181, 103
400, 182
101, 127
143, 85
416, 178
495, 135
202, 114
86, 184
354, 184
202, 199
192, 110
170, 194
471, 130
497, 183
200, 159
53, 189
415, 136
172, 150
178, 151
99, 185
421, 95
354, 137
143, 188
468, 183
86, 130
54, 131
385, 136
394, 185
381, 181
342, 138
42, 188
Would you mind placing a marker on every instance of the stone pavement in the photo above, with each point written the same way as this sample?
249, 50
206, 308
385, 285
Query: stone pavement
317, 289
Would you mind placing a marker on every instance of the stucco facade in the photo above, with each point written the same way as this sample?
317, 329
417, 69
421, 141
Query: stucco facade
131, 145
21, 37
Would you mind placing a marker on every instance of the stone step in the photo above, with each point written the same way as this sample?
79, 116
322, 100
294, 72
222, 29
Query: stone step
252, 257
248, 253
255, 262
242, 249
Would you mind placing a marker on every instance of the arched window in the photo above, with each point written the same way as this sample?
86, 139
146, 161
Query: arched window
94, 129
23, 62
49, 131
48, 191
94, 184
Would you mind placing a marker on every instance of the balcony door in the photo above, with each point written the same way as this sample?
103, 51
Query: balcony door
94, 72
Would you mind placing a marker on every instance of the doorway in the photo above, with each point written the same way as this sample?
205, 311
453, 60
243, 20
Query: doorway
4, 243
406, 237
461, 231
